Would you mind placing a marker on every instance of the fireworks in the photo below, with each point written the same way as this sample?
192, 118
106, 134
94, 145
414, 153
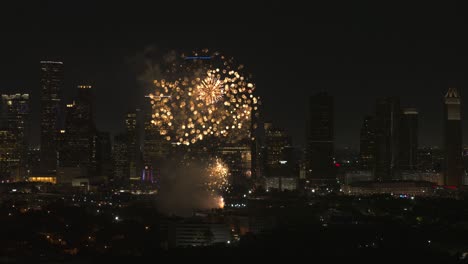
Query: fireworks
210, 90
203, 98
217, 177
221, 202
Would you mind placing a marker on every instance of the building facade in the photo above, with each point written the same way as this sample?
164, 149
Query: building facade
453, 162
51, 89
320, 136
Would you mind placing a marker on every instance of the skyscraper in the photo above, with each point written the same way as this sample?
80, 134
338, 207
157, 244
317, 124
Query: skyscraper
409, 139
78, 145
156, 149
387, 138
277, 149
133, 144
120, 158
278, 156
320, 136
453, 162
367, 144
15, 119
51, 88
103, 154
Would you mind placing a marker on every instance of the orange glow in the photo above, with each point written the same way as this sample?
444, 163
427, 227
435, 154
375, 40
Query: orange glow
52, 180
221, 202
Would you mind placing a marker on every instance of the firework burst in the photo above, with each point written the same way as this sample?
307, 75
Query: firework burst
203, 98
210, 90
218, 181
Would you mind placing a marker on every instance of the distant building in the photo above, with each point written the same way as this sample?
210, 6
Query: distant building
405, 188
133, 148
281, 183
434, 177
156, 149
120, 158
430, 159
453, 163
320, 136
8, 162
79, 139
409, 139
14, 119
238, 158
278, 162
367, 144
387, 138
358, 176
195, 233
51, 89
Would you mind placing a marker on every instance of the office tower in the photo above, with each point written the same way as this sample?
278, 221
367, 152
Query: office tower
430, 159
367, 144
278, 149
156, 149
320, 136
133, 144
15, 120
387, 138
103, 154
453, 163
409, 139
278, 156
78, 144
238, 157
120, 159
8, 162
51, 88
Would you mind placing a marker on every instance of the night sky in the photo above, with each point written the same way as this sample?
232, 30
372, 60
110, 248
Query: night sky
354, 52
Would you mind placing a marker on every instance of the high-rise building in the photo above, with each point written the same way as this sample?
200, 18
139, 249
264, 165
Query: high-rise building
277, 148
453, 162
367, 144
430, 159
278, 156
387, 138
103, 154
320, 136
120, 159
156, 149
8, 162
51, 88
133, 144
78, 146
409, 139
15, 120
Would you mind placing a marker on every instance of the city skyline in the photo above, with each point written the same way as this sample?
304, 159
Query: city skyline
351, 59
226, 131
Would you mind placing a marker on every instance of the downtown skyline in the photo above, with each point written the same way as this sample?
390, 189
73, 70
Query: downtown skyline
341, 53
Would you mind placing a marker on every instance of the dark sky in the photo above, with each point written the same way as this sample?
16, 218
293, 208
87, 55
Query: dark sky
355, 52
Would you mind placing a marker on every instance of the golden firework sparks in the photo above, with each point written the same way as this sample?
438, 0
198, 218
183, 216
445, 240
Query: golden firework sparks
200, 99
210, 89
218, 176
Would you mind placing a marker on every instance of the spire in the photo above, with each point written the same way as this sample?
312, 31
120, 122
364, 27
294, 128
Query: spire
452, 93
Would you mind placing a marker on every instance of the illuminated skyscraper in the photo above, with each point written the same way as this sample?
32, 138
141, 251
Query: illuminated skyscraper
367, 143
453, 162
320, 139
15, 119
120, 158
51, 88
133, 147
387, 138
409, 139
78, 148
278, 156
155, 149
